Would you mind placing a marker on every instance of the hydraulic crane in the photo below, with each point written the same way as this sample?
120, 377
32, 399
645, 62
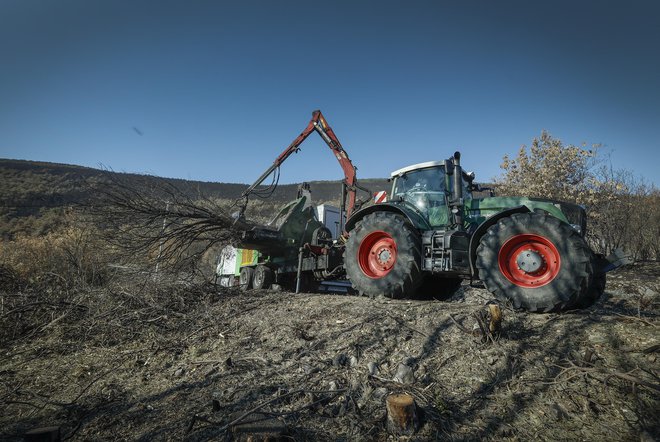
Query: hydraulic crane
350, 185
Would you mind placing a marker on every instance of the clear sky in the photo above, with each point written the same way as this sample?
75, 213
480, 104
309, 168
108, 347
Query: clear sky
214, 90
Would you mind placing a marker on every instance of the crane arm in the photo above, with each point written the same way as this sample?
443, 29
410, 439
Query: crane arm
319, 124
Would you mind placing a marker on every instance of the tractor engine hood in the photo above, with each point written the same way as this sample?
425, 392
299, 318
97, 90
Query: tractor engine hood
480, 209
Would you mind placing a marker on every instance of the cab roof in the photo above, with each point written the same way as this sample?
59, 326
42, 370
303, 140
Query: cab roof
415, 167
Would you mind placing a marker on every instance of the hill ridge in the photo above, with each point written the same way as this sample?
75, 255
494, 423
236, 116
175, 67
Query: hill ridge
34, 189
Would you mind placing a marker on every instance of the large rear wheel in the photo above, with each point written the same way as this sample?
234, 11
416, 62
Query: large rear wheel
383, 256
535, 261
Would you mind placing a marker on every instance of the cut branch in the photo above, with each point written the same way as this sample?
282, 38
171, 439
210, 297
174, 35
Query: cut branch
162, 220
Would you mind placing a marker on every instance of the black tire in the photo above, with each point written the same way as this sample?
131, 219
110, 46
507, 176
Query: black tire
400, 256
438, 287
246, 277
597, 286
262, 278
564, 273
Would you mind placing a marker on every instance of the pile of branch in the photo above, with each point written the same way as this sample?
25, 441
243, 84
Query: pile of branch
161, 219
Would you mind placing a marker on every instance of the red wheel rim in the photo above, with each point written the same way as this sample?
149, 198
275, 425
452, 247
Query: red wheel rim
377, 254
529, 260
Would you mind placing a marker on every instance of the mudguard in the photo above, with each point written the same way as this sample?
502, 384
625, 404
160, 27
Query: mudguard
412, 215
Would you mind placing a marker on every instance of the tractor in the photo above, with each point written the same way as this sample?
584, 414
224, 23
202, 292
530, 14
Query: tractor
429, 235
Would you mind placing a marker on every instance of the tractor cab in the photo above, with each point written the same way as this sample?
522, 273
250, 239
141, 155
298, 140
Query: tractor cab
429, 189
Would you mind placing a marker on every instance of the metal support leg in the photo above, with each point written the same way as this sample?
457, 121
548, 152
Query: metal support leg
298, 275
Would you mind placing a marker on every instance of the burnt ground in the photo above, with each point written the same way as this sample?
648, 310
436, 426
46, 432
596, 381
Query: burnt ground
162, 361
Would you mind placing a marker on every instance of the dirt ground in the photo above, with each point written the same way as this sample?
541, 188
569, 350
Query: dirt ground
147, 361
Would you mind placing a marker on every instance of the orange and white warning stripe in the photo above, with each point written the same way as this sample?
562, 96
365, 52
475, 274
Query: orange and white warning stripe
380, 197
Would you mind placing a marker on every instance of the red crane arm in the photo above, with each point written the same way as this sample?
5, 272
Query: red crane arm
319, 124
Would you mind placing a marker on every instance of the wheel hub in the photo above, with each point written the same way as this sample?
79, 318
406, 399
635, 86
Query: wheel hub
377, 254
530, 261
384, 256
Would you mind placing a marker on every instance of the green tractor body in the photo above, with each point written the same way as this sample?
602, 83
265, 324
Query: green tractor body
432, 233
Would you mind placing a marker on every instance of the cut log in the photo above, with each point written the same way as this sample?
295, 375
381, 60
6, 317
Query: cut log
401, 414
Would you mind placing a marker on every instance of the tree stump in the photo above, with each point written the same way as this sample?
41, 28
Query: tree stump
401, 414
495, 324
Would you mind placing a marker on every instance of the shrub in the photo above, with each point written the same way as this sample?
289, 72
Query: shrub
70, 257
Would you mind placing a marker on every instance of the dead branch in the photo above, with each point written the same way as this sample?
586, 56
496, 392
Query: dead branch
241, 418
161, 219
576, 370
400, 322
651, 349
460, 326
635, 318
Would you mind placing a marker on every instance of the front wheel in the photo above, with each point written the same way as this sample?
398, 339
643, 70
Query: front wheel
535, 261
383, 256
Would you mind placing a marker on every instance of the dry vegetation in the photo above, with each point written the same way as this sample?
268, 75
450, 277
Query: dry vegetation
139, 358
113, 352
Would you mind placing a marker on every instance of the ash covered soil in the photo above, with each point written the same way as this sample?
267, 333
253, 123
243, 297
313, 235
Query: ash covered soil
139, 360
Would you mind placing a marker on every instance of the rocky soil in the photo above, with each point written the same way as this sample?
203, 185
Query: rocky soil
139, 360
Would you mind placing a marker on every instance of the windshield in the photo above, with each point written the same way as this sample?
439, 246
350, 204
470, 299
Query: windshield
422, 180
424, 189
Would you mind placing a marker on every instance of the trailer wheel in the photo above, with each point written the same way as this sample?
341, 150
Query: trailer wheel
246, 277
263, 277
536, 262
383, 256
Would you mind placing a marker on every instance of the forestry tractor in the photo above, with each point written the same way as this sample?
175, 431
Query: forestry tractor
427, 236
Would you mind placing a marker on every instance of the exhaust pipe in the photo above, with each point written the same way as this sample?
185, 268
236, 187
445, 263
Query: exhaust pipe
458, 191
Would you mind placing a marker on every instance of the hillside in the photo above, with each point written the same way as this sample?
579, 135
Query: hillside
34, 194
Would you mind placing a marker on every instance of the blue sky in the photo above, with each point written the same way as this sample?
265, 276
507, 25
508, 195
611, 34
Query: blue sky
217, 89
